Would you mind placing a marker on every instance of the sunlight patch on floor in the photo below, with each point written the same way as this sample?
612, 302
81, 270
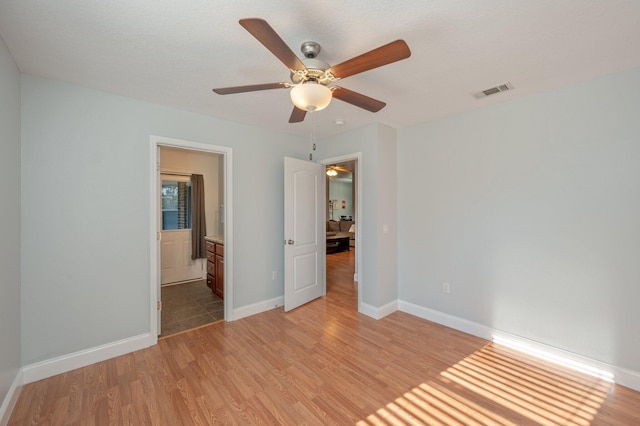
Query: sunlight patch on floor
564, 361
495, 386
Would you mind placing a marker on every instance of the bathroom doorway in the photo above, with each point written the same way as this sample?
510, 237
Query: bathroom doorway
184, 294
188, 300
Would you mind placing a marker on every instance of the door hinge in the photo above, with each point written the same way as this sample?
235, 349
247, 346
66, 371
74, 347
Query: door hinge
159, 305
159, 236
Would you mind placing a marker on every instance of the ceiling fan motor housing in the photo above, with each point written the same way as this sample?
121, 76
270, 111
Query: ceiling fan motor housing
310, 49
316, 70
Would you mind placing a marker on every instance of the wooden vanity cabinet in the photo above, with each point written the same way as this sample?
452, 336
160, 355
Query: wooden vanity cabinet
215, 268
211, 265
219, 265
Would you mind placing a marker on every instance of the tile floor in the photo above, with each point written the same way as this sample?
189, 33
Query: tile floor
189, 305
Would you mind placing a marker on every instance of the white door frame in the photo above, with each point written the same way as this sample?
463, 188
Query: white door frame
357, 156
154, 202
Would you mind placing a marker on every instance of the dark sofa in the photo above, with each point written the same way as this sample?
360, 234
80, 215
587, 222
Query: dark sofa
342, 227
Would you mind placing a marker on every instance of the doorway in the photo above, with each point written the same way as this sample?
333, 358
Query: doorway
188, 300
343, 218
188, 293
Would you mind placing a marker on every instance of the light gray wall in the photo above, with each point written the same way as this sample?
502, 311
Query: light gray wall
85, 215
377, 145
387, 208
531, 211
10, 336
341, 190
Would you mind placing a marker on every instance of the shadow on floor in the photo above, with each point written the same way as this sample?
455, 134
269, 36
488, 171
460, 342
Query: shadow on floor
189, 305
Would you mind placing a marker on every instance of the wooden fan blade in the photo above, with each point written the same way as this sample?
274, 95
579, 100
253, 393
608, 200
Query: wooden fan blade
250, 88
383, 55
262, 31
358, 99
297, 115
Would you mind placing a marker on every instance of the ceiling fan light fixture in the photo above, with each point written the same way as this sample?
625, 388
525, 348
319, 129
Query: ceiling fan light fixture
332, 172
311, 96
311, 77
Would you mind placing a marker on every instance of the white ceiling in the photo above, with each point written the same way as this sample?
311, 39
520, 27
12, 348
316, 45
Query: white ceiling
174, 52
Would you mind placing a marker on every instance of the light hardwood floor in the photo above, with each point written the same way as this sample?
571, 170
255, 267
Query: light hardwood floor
324, 363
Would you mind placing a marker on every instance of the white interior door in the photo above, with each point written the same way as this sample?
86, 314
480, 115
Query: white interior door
176, 261
304, 226
175, 248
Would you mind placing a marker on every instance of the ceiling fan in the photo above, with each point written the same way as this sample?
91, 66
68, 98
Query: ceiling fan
311, 77
333, 170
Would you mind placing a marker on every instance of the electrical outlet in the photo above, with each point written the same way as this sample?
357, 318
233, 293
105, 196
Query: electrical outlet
445, 288
274, 275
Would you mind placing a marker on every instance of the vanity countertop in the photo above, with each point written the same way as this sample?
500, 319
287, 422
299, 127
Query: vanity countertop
219, 239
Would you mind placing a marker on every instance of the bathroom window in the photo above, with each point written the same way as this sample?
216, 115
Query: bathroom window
176, 202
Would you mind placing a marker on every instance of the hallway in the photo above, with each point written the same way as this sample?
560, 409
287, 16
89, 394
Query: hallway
341, 289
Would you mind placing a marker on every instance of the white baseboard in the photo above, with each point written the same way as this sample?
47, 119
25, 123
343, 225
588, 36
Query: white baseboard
378, 313
622, 376
62, 364
256, 308
628, 378
368, 310
11, 398
451, 321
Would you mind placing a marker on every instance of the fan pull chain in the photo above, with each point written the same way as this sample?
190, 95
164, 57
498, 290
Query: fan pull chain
312, 136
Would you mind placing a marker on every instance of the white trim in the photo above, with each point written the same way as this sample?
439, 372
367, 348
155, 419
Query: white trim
257, 308
62, 364
628, 378
451, 321
378, 313
623, 376
368, 310
357, 157
619, 375
154, 252
387, 309
154, 231
11, 398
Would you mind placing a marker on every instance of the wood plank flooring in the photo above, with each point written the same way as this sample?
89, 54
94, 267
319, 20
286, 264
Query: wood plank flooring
325, 364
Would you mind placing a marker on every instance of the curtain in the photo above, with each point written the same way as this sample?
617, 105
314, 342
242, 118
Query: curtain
198, 225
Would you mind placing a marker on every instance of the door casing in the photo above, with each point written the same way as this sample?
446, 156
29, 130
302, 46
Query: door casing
154, 223
357, 157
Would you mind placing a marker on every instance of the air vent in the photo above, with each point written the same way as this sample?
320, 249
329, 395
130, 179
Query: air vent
493, 90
